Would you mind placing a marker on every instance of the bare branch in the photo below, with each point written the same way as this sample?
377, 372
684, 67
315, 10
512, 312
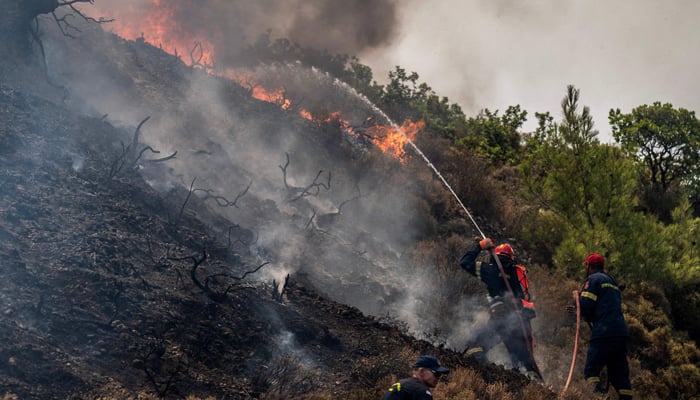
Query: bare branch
314, 188
277, 292
63, 21
222, 201
182, 209
196, 61
212, 294
163, 158
284, 171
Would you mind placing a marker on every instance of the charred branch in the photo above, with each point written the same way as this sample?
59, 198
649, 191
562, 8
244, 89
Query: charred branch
161, 371
206, 287
284, 172
313, 189
130, 156
63, 21
222, 201
277, 291
196, 56
184, 204
193, 272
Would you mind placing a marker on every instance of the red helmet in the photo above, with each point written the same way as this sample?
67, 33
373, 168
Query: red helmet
505, 250
595, 260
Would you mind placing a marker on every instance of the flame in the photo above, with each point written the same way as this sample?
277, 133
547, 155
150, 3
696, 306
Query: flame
392, 140
247, 80
153, 23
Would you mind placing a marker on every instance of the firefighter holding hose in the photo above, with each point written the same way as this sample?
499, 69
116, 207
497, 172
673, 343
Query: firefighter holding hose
510, 308
600, 302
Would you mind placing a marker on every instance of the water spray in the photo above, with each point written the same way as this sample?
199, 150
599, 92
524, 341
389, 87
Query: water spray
466, 211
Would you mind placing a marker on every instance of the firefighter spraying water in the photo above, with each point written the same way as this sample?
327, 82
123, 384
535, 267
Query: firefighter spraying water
510, 325
507, 285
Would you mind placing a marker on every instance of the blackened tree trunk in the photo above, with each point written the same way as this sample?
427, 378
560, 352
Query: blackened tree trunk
17, 20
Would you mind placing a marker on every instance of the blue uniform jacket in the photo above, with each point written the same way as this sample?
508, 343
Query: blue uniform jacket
489, 273
601, 305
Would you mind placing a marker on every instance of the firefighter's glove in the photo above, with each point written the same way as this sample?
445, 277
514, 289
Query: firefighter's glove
486, 244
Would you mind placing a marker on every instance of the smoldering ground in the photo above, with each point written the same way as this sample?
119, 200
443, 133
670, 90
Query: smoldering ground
362, 254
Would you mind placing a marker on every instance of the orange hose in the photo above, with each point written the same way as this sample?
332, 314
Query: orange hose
578, 326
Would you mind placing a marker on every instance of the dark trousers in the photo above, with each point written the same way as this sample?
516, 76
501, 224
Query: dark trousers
610, 352
506, 328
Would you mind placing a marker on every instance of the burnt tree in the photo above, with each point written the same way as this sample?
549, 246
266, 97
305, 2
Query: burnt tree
19, 23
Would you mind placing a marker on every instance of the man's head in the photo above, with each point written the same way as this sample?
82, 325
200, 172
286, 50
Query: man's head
504, 250
594, 262
428, 370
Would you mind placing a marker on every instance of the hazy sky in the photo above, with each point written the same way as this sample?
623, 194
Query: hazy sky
496, 53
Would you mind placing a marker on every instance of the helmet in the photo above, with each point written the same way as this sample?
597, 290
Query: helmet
595, 260
505, 250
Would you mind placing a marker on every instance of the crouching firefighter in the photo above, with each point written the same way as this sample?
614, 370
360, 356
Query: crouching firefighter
509, 313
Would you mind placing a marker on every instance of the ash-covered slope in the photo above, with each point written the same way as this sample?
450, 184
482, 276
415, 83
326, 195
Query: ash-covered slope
124, 275
317, 197
99, 293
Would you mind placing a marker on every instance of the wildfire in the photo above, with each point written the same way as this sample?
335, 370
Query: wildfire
154, 23
392, 140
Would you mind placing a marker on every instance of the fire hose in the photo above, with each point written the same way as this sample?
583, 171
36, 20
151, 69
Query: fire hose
578, 326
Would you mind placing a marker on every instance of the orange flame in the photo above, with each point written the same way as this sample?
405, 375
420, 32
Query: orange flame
391, 140
154, 24
248, 81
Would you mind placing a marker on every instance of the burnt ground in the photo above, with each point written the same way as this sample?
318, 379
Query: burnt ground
109, 288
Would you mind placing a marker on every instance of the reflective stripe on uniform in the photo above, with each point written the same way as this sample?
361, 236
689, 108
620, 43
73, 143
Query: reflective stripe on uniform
396, 386
593, 379
609, 285
627, 392
589, 295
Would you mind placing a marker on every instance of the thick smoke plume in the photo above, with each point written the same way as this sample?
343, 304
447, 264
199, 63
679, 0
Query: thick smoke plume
340, 27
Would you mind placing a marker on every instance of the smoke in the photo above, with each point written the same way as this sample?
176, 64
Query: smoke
229, 25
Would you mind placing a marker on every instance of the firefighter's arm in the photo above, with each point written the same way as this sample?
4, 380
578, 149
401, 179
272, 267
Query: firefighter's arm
468, 261
588, 300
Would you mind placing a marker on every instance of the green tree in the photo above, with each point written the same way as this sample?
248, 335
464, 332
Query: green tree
403, 95
666, 141
588, 188
496, 137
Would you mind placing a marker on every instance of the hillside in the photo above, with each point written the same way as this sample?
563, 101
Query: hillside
127, 277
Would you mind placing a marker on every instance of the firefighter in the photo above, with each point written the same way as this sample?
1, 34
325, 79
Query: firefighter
601, 306
509, 320
426, 375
